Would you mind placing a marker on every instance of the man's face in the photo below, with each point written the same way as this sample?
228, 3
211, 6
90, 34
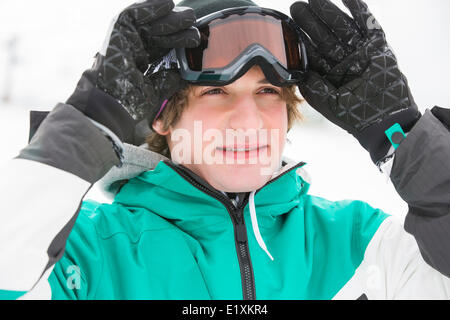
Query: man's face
232, 136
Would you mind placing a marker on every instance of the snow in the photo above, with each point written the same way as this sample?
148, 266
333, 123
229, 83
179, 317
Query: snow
46, 45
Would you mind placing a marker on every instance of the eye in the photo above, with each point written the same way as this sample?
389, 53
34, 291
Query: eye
213, 91
269, 90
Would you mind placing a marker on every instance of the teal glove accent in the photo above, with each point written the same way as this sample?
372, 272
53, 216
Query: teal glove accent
395, 135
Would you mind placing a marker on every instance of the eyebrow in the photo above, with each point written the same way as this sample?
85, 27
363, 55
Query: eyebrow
263, 81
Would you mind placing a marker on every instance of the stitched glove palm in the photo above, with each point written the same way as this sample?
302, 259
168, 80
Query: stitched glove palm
117, 91
354, 79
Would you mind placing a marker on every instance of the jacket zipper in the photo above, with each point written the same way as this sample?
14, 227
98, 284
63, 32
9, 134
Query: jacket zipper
245, 263
240, 234
240, 230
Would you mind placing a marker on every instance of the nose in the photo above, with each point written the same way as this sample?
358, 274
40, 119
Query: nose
245, 114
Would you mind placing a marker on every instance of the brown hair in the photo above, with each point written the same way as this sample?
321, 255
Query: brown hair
175, 106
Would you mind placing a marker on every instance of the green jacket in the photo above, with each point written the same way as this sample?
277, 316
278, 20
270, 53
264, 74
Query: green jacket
164, 237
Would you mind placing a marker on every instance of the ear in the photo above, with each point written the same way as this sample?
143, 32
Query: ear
158, 127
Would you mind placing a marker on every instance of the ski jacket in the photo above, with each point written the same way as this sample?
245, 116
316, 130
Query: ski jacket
169, 235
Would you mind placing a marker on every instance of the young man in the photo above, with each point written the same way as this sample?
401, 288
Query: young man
197, 226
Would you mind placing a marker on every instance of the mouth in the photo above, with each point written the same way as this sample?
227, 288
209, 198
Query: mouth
242, 152
242, 148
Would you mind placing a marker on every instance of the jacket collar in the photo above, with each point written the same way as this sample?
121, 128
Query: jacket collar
170, 186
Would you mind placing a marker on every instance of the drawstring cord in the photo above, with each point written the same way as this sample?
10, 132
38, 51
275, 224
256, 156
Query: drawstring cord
255, 224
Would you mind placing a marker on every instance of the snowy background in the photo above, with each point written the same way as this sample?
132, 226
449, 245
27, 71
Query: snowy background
45, 46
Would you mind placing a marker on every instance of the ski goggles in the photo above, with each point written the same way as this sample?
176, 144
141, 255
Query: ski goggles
233, 40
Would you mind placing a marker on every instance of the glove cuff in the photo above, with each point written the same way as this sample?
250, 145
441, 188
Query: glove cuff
373, 138
101, 107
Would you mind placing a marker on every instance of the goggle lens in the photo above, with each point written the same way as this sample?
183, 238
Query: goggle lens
223, 40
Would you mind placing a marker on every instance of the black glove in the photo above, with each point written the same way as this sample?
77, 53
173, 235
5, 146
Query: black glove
354, 79
118, 91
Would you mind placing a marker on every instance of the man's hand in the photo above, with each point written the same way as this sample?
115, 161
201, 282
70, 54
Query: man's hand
354, 79
117, 92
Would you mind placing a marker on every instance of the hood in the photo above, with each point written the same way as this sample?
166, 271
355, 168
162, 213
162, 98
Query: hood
136, 161
148, 175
